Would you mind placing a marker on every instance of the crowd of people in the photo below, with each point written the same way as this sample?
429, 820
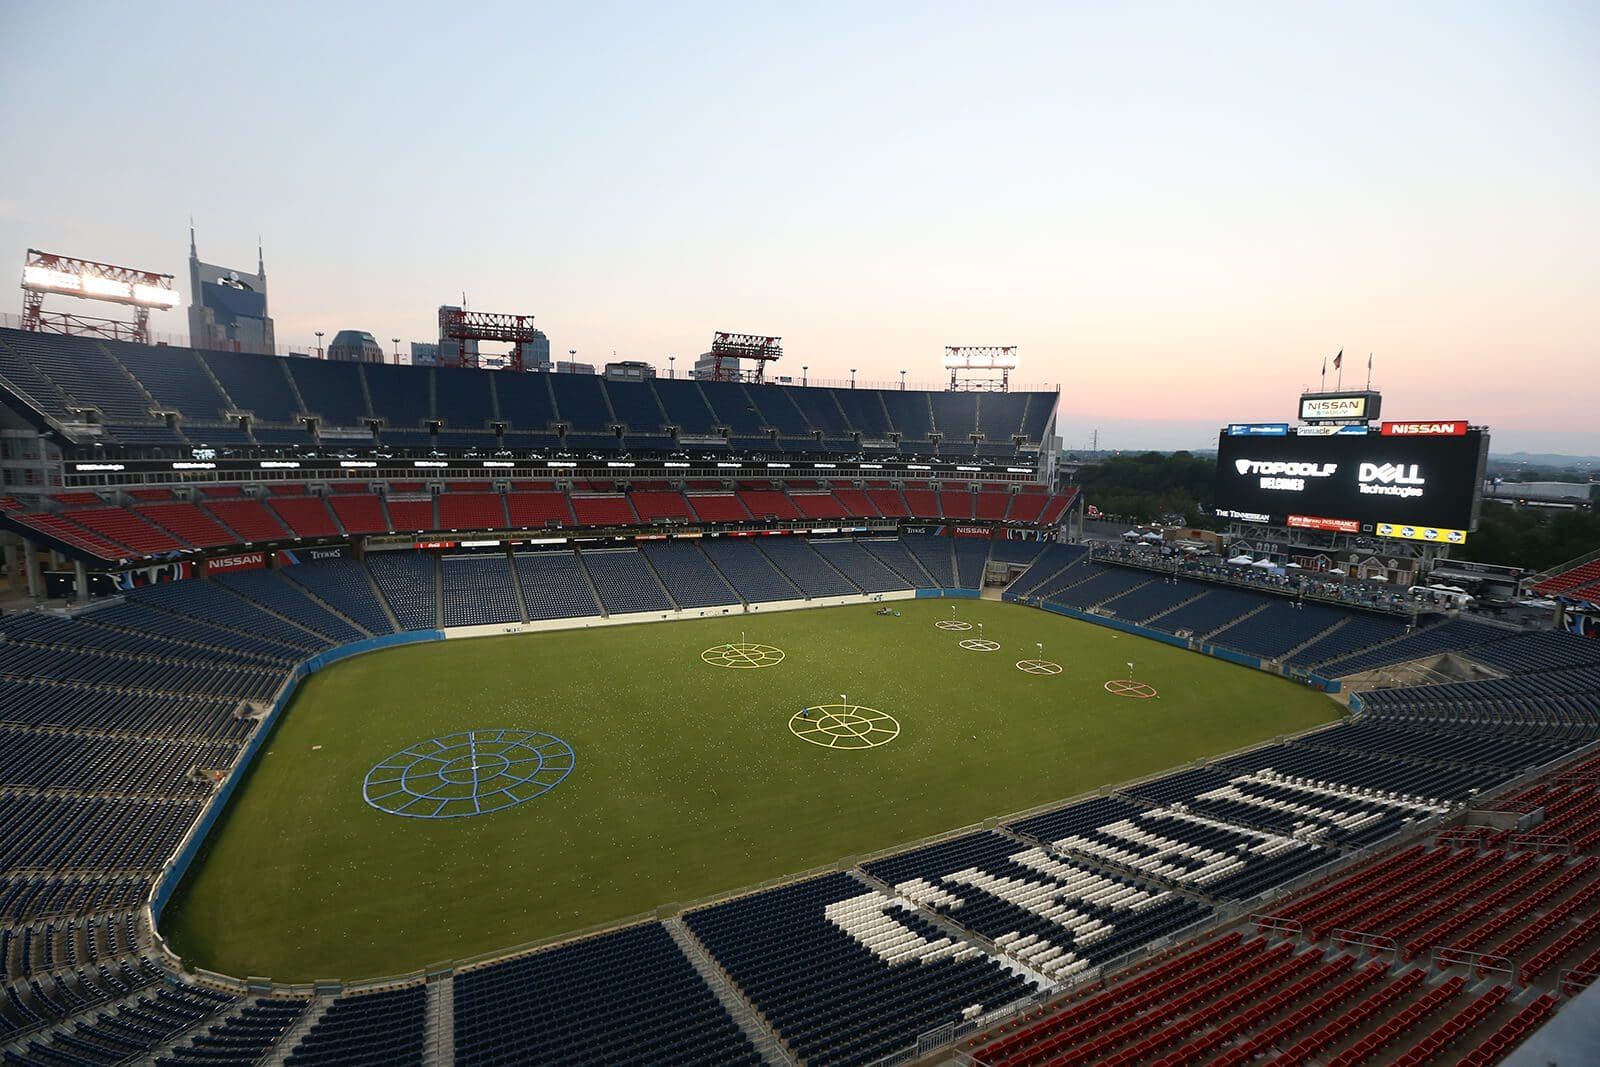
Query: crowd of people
1320, 585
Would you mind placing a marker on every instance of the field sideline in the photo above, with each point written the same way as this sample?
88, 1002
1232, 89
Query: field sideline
688, 782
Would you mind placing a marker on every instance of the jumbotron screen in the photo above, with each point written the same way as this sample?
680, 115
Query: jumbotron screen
1413, 480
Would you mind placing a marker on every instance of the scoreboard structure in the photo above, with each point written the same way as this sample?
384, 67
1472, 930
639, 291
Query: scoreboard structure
1340, 472
1402, 481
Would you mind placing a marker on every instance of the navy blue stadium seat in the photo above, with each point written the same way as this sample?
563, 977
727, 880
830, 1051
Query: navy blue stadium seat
625, 581
629, 997
367, 1030
793, 950
688, 575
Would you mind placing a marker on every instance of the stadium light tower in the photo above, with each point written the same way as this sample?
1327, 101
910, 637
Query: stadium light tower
320, 354
49, 273
973, 367
737, 346
461, 326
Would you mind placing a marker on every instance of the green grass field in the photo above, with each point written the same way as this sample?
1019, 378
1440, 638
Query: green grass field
688, 781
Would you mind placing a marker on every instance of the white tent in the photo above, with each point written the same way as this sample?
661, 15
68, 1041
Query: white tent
1267, 563
1241, 559
1152, 536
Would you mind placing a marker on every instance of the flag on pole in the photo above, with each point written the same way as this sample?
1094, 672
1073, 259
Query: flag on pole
1338, 361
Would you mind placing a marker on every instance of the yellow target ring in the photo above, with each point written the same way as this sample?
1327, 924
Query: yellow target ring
844, 726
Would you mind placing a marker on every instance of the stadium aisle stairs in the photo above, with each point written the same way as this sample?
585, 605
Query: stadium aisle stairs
516, 589
1258, 609
1313, 639
1198, 593
438, 596
138, 386
91, 1010
952, 929
1046, 570
279, 1052
744, 1013
317, 600
163, 1050
660, 581
383, 601
439, 1025
588, 583
900, 560
586, 561
725, 578
270, 610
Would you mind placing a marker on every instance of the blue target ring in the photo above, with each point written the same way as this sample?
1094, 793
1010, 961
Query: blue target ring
472, 773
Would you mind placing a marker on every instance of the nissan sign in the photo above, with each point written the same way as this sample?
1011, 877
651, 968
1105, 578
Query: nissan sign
1339, 407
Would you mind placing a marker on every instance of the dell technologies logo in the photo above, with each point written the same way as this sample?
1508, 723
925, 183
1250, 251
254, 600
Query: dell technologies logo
1290, 477
1391, 479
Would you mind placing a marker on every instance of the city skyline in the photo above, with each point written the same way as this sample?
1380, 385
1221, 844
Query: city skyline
1175, 214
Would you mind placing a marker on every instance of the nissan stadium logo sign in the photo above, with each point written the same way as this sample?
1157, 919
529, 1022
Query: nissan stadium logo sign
1333, 407
1391, 479
1284, 476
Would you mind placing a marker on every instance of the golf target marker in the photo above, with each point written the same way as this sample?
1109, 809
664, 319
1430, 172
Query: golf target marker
1127, 687
471, 773
1038, 666
743, 655
979, 644
844, 726
953, 624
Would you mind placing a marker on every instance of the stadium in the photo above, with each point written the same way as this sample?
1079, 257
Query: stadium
444, 715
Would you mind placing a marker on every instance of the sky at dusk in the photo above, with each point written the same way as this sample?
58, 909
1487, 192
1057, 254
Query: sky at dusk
1175, 211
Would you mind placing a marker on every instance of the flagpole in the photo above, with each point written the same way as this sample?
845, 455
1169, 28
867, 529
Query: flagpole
1323, 388
1338, 365
1369, 372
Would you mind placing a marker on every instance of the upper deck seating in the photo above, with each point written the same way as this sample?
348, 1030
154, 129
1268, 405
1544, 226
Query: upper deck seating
463, 401
400, 395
